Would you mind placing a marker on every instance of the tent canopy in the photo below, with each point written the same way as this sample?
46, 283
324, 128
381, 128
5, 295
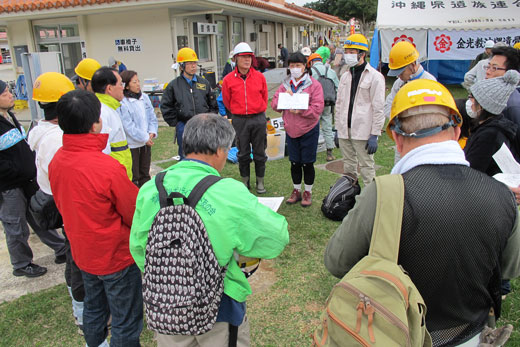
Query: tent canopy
448, 14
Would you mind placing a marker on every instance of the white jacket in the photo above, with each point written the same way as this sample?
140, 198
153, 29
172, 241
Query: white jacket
45, 139
112, 126
478, 73
367, 113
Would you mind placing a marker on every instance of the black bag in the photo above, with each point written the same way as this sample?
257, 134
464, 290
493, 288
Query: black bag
44, 211
341, 198
329, 88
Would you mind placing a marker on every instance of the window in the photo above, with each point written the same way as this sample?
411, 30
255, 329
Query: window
63, 38
236, 37
202, 47
222, 45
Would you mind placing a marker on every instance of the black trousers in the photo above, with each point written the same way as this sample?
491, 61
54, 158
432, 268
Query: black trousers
251, 133
73, 275
141, 161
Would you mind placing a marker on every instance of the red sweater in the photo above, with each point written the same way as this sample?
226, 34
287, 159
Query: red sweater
245, 97
97, 202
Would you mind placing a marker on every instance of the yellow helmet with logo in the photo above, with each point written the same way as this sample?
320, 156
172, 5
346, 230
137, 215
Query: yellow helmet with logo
412, 96
86, 68
402, 54
50, 86
186, 54
517, 45
356, 41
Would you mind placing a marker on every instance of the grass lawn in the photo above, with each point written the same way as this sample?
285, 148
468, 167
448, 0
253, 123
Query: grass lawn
284, 315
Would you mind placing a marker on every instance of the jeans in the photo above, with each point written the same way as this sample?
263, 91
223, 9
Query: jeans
179, 130
119, 294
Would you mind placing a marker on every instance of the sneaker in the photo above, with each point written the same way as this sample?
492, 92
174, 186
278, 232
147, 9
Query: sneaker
306, 201
60, 259
295, 197
31, 270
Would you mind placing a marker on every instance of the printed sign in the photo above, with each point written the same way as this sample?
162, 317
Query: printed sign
415, 37
277, 123
466, 45
205, 28
130, 45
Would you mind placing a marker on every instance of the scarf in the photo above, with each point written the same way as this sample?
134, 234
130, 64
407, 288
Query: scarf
438, 153
130, 94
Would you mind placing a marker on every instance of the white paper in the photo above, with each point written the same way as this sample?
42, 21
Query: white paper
273, 203
510, 168
505, 161
297, 101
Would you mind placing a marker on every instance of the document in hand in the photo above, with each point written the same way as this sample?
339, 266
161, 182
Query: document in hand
510, 175
297, 101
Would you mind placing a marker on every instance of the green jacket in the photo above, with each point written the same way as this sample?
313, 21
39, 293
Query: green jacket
233, 217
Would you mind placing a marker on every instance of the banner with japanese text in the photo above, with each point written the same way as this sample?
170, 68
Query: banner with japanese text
465, 45
416, 37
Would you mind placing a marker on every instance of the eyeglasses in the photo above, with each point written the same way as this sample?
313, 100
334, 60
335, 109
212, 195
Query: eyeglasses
494, 68
470, 96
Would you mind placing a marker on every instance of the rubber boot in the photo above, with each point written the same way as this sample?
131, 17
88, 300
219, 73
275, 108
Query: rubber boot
330, 157
260, 189
245, 180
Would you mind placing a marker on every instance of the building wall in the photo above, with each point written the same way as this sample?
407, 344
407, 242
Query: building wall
152, 27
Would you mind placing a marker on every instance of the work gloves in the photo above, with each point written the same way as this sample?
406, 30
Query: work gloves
371, 145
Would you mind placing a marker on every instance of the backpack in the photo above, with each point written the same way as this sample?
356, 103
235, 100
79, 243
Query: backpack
376, 303
341, 198
182, 282
329, 88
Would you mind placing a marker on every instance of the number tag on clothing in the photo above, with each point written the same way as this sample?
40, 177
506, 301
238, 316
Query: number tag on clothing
201, 86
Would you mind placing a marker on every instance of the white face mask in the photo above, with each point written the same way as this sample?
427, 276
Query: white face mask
233, 64
469, 110
350, 59
296, 72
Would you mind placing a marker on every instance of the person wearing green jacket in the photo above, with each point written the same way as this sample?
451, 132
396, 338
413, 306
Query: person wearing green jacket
236, 223
324, 52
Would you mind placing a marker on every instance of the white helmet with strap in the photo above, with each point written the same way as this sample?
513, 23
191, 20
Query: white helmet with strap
242, 49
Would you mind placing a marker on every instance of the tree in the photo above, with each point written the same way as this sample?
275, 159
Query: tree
365, 11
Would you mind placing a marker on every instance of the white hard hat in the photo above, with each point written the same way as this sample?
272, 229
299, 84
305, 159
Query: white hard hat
242, 48
489, 44
306, 51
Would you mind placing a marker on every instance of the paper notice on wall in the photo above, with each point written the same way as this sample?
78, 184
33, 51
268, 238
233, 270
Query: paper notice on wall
510, 168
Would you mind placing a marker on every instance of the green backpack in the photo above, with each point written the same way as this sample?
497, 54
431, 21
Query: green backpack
376, 303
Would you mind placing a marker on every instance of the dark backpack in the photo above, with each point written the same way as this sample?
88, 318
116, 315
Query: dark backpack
329, 88
182, 282
341, 198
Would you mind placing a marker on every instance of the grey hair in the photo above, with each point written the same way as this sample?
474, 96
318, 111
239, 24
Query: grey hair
422, 121
206, 133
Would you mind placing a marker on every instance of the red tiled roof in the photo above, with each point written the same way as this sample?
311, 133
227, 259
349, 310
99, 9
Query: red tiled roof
311, 12
8, 6
265, 5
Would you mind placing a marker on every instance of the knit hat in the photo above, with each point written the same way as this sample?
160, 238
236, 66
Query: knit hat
493, 93
3, 85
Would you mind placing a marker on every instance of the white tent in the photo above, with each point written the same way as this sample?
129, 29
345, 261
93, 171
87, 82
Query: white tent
447, 29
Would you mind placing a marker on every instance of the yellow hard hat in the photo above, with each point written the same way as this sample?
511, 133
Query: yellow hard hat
186, 54
356, 41
86, 68
402, 54
517, 45
418, 93
50, 86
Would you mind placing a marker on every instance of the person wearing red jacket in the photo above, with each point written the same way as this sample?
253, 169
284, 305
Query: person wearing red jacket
97, 202
244, 92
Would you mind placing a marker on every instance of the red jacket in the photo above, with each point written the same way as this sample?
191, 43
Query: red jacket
97, 202
247, 96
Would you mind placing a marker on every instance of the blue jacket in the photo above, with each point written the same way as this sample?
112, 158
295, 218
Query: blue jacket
512, 110
139, 120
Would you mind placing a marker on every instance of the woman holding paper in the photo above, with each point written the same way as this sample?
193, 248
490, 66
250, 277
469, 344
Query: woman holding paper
300, 99
486, 102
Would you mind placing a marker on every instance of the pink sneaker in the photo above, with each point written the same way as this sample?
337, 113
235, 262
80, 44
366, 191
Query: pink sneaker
307, 201
295, 197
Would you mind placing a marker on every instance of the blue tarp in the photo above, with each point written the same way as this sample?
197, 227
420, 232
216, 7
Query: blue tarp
374, 50
448, 71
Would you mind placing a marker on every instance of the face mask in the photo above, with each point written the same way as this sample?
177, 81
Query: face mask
296, 72
233, 64
469, 111
350, 59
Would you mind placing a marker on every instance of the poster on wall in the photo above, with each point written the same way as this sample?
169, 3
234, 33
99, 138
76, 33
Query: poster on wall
390, 37
131, 45
466, 45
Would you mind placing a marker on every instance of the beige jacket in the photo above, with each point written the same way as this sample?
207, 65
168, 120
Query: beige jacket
367, 115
